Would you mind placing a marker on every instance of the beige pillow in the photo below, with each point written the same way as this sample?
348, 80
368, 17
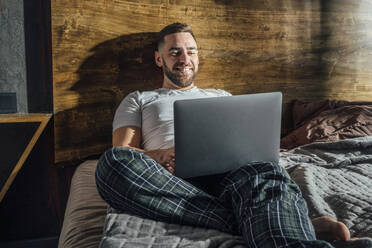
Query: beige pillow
85, 212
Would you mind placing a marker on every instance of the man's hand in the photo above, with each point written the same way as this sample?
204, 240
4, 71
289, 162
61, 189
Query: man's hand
165, 157
130, 136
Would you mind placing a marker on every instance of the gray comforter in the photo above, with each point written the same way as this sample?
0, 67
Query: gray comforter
335, 178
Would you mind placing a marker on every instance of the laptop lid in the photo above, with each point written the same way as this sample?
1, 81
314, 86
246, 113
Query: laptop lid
219, 134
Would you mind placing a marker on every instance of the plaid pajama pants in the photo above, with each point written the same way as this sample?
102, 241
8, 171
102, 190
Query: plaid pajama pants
258, 201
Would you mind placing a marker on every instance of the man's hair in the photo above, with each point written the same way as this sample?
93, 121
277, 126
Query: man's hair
171, 29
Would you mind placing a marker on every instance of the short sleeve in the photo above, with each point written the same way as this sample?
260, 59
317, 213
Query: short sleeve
225, 93
220, 92
129, 112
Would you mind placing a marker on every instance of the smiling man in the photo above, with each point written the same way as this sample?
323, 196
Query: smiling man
258, 201
178, 56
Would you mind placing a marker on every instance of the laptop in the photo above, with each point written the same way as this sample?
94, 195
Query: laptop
219, 134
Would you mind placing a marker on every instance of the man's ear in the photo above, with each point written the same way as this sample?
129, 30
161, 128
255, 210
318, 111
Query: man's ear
158, 59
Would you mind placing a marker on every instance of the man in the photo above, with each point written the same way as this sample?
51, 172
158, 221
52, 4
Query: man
258, 201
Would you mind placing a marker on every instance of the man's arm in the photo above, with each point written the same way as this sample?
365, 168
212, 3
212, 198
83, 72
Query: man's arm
130, 136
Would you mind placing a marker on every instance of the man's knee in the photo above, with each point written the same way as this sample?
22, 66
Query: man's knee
113, 161
261, 168
260, 172
113, 158
269, 171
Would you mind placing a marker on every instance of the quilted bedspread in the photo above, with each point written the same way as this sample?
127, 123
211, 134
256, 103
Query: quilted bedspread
335, 179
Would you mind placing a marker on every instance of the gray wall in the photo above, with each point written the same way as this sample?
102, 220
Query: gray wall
12, 51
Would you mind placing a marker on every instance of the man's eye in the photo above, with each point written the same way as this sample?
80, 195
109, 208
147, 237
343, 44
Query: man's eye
174, 53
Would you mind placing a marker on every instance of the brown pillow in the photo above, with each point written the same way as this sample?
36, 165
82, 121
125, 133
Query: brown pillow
334, 123
305, 111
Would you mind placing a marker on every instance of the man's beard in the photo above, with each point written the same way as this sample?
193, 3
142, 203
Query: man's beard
177, 79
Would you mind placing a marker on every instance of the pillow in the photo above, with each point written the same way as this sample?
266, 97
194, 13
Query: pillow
305, 111
328, 121
85, 211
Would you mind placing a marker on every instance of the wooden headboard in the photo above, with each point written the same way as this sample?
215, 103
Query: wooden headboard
103, 50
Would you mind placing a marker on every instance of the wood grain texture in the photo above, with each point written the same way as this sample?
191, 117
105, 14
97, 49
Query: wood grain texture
103, 50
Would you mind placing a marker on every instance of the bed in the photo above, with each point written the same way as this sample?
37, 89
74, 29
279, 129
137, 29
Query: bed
328, 153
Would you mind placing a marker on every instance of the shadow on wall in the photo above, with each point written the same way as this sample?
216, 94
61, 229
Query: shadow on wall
115, 68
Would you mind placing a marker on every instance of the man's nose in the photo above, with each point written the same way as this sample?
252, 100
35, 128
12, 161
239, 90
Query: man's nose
185, 58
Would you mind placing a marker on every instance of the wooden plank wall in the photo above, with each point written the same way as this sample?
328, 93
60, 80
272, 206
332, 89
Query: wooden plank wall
102, 50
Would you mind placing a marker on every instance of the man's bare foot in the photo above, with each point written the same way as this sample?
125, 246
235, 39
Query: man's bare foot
329, 229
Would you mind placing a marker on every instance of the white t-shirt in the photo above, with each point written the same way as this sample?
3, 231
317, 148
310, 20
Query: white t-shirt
152, 111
